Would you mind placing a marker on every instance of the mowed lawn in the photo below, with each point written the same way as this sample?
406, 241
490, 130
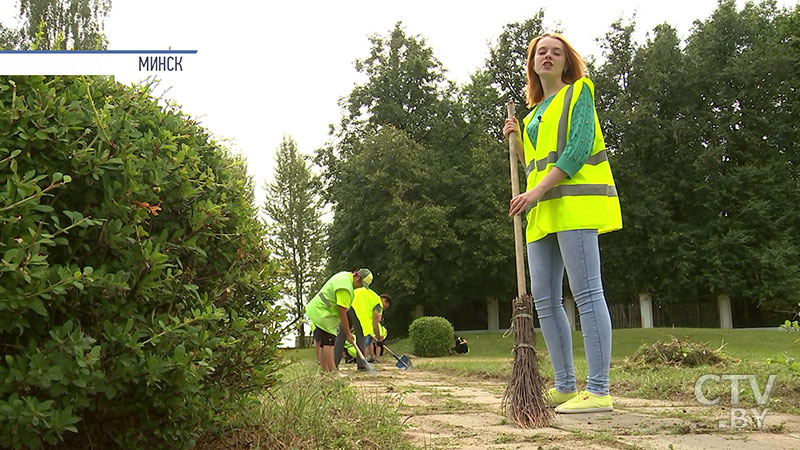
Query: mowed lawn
748, 351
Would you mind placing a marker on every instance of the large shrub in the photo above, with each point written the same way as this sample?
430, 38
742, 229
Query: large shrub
135, 290
431, 336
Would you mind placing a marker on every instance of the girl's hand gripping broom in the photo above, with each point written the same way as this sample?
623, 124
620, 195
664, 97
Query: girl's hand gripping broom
523, 400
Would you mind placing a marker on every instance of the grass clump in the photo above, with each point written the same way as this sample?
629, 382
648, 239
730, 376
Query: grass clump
312, 411
676, 352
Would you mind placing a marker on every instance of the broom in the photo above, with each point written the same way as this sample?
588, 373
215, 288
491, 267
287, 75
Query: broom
522, 400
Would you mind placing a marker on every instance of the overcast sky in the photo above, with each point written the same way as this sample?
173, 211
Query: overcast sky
265, 69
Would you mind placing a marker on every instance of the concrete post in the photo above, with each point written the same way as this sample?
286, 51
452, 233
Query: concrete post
569, 307
493, 314
725, 315
646, 307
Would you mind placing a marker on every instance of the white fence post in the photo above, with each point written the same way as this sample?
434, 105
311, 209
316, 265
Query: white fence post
646, 307
725, 315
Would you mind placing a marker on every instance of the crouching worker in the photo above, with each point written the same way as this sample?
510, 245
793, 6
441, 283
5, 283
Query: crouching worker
328, 311
350, 355
374, 346
460, 346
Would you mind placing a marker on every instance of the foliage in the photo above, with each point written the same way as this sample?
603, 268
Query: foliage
290, 416
63, 24
298, 235
412, 227
431, 336
136, 291
9, 38
405, 177
399, 64
502, 79
705, 143
790, 326
641, 98
747, 142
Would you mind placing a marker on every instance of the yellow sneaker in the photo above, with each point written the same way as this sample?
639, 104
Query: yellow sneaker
554, 397
586, 402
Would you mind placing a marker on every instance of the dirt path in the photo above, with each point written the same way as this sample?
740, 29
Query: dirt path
446, 412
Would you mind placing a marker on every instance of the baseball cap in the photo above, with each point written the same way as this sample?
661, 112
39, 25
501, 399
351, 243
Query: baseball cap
366, 276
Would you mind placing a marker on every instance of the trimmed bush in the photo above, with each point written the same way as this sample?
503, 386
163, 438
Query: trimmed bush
431, 336
136, 294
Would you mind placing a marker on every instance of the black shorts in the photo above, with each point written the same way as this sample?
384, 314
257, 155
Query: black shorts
323, 337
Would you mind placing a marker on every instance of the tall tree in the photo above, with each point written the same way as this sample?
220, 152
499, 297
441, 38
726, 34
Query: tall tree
435, 237
503, 79
295, 208
404, 86
704, 142
642, 101
63, 24
613, 99
742, 66
9, 38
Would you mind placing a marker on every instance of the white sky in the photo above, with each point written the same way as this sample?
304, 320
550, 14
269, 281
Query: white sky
265, 69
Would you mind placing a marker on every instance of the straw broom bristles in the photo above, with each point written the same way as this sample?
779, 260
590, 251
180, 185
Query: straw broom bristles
523, 400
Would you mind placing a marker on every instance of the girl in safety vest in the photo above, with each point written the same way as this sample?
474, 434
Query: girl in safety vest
570, 199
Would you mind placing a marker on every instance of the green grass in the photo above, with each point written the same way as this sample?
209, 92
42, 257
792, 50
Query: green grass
491, 356
743, 344
312, 411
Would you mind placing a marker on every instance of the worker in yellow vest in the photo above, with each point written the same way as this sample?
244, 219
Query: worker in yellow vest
365, 301
327, 311
369, 309
570, 199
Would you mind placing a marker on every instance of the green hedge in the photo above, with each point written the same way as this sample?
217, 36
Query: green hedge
136, 294
431, 336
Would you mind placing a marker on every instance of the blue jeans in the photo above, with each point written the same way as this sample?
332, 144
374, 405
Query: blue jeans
579, 252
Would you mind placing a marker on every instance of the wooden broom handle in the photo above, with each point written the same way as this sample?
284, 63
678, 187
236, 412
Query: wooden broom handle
518, 250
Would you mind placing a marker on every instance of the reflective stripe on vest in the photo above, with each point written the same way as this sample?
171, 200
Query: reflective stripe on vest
342, 280
552, 157
589, 199
565, 190
324, 300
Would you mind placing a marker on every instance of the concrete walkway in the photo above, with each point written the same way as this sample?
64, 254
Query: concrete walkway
446, 412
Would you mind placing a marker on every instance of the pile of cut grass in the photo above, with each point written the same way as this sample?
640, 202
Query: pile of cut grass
677, 353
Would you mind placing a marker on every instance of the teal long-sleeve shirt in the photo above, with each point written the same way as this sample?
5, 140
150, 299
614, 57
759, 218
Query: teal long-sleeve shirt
581, 136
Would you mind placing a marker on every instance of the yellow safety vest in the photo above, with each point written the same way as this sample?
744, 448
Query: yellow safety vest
589, 199
364, 302
350, 349
322, 310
